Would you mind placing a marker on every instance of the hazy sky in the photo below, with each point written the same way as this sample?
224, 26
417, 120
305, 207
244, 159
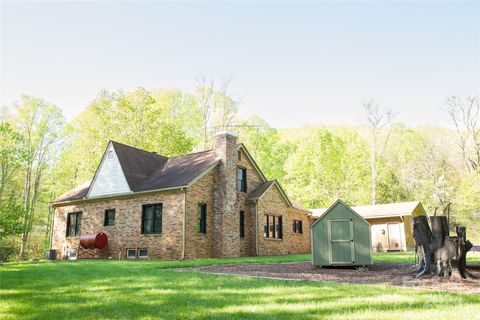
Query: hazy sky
291, 63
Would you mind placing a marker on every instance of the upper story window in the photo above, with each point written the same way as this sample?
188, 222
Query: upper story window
109, 217
297, 226
74, 223
152, 218
241, 179
273, 227
202, 218
239, 155
110, 154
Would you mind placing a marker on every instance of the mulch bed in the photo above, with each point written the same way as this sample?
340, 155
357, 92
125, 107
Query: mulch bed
393, 274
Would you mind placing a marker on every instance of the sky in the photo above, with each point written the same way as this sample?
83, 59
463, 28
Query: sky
292, 63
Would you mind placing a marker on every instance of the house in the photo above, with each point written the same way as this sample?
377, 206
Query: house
215, 203
341, 237
390, 224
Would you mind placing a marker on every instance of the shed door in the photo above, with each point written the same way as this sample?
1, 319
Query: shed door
340, 234
394, 236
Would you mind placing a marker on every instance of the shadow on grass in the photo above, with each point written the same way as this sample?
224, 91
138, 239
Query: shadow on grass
99, 290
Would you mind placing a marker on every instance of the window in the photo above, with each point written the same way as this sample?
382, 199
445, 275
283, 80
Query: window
202, 218
110, 154
297, 226
273, 227
242, 179
74, 223
131, 253
109, 217
239, 155
242, 224
152, 218
142, 253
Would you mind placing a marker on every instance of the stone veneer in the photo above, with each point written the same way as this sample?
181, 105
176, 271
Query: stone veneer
126, 233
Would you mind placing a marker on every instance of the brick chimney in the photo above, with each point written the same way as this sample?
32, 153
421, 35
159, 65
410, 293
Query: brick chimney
226, 230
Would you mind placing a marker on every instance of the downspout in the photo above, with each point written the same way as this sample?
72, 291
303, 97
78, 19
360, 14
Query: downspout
184, 219
256, 227
52, 209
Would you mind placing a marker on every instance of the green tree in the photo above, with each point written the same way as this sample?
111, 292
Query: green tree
40, 123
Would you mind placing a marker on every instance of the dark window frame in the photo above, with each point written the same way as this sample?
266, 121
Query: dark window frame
107, 218
242, 224
242, 181
155, 223
273, 226
78, 224
298, 226
202, 218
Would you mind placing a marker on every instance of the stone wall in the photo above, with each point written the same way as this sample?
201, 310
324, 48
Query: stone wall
226, 237
254, 180
199, 245
272, 203
126, 233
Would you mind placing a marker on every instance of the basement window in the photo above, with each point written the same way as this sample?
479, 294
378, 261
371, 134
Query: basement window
131, 253
142, 253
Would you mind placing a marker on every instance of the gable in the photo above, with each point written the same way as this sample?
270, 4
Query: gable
109, 178
339, 204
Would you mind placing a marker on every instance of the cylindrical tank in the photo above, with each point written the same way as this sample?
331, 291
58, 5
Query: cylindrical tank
93, 240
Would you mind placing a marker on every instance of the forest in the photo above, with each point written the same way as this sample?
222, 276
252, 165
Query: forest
377, 161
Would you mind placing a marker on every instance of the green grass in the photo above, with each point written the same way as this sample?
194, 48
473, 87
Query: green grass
152, 290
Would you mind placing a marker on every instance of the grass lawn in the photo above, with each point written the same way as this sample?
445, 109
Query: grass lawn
152, 290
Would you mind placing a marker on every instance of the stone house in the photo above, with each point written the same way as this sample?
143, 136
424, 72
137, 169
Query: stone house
215, 203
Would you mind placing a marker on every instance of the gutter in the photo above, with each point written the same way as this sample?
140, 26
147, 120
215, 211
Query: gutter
120, 195
52, 210
184, 220
256, 227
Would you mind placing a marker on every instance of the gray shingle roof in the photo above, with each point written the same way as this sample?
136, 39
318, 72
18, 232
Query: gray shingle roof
146, 171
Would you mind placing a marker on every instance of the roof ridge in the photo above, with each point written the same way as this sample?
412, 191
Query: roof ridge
189, 154
154, 153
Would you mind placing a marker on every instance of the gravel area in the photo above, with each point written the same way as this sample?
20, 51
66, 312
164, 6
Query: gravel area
394, 274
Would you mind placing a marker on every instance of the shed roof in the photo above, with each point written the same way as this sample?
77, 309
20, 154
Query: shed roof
398, 209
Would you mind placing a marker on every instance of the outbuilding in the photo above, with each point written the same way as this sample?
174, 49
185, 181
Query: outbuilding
341, 237
390, 224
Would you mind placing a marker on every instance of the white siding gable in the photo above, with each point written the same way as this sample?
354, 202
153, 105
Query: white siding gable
109, 178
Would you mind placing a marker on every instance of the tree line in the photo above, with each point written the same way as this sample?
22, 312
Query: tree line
379, 161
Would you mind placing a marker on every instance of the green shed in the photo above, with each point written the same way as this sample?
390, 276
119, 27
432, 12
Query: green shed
341, 237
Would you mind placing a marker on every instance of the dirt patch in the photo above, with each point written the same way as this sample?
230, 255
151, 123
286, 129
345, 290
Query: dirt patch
394, 274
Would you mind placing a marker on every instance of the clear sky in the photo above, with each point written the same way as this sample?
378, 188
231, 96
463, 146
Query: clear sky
291, 63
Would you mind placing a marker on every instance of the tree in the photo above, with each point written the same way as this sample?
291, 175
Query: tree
326, 167
40, 123
265, 145
465, 115
225, 107
204, 95
12, 155
377, 120
135, 118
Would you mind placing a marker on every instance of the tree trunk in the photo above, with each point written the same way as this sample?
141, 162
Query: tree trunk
423, 238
